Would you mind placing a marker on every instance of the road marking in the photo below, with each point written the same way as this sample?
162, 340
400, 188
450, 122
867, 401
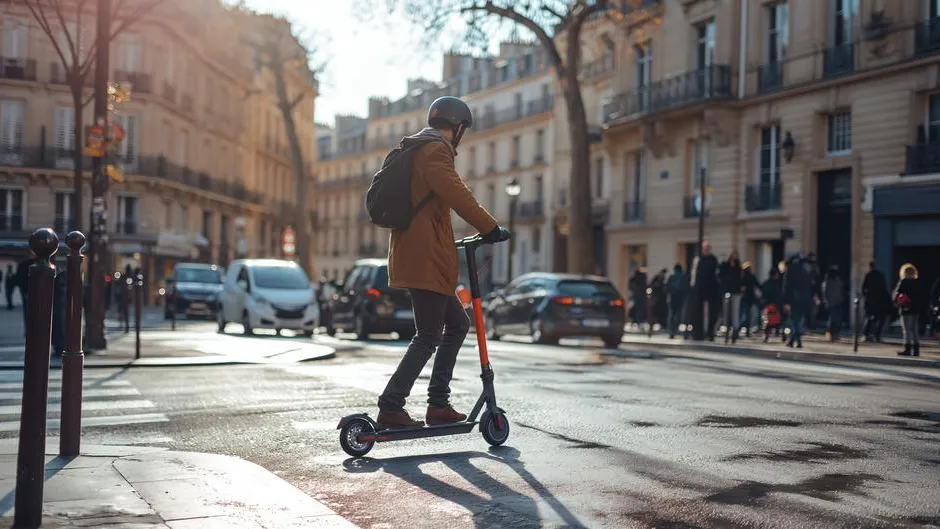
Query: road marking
87, 393
116, 420
92, 405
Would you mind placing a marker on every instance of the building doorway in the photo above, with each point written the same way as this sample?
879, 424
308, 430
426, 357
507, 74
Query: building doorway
834, 226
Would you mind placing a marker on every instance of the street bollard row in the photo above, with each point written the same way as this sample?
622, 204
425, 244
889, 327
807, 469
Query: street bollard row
30, 464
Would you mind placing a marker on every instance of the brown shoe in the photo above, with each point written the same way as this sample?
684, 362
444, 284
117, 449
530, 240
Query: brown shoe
396, 420
443, 415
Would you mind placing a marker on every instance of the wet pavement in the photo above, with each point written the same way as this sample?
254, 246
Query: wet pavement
647, 440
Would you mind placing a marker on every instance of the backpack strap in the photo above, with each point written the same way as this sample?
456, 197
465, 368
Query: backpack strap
427, 199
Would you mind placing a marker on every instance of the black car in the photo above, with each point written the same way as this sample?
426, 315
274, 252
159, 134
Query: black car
366, 304
194, 290
548, 307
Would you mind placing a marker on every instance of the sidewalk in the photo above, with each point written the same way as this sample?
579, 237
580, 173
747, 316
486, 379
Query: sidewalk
152, 488
12, 332
815, 348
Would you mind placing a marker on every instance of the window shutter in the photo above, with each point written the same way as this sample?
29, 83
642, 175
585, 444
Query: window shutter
15, 38
128, 148
11, 131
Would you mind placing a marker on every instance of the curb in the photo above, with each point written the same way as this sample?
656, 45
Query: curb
794, 355
168, 361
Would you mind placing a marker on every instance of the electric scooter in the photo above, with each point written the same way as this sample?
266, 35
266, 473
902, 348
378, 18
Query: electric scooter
359, 432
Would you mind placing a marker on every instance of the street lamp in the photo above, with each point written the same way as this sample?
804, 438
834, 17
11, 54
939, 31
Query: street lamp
513, 189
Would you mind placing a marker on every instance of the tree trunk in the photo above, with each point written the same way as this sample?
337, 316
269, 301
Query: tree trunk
78, 181
580, 237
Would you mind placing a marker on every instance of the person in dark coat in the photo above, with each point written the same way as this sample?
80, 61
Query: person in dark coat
660, 301
677, 291
732, 282
911, 301
637, 287
749, 295
798, 296
877, 302
772, 304
707, 291
833, 290
9, 285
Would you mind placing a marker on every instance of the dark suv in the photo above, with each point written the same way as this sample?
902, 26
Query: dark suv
194, 290
365, 304
548, 307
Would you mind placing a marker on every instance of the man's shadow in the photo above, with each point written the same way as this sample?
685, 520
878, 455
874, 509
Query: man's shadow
408, 469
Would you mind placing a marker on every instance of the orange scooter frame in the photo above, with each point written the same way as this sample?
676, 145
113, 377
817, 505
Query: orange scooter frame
359, 432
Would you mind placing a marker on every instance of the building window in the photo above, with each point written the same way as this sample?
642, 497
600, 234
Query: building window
11, 132
599, 177
840, 133
491, 157
844, 14
933, 118
539, 188
63, 211
700, 166
644, 69
539, 145
64, 136
472, 169
770, 141
207, 224
491, 197
705, 44
127, 215
516, 147
536, 239
15, 37
519, 106
778, 32
129, 46
11, 210
184, 218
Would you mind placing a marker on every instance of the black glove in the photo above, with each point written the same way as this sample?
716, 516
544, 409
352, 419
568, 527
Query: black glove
498, 234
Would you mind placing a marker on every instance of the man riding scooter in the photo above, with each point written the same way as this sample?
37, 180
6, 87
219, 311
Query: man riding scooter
423, 259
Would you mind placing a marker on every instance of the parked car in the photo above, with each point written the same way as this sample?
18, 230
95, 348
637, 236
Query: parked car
193, 290
365, 304
549, 306
268, 294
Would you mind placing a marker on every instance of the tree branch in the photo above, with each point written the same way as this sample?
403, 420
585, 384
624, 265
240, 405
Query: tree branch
88, 100
296, 101
556, 14
65, 29
524, 21
43, 21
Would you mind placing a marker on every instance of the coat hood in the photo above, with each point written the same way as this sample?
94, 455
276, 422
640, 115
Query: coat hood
425, 134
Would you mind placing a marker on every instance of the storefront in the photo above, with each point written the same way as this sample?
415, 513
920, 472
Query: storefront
907, 229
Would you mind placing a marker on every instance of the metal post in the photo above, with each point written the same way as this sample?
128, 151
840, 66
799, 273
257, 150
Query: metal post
73, 359
128, 293
649, 312
857, 302
30, 460
98, 260
138, 300
726, 311
512, 240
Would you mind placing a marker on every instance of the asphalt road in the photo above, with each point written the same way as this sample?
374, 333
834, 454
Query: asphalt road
648, 441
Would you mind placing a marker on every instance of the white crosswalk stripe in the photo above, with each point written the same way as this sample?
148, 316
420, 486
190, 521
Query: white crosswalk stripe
107, 400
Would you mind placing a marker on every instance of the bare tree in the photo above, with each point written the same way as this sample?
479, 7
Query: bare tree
64, 20
279, 53
546, 21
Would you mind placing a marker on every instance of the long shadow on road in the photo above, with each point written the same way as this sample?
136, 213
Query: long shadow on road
513, 508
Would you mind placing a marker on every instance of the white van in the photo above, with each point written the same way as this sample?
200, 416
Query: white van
268, 294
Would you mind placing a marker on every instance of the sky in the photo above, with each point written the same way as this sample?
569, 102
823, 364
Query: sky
365, 56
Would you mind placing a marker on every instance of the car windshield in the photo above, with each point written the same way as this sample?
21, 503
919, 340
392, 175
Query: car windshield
280, 277
381, 277
198, 275
587, 289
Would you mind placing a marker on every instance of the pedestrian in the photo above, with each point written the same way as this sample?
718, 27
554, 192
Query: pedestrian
637, 287
706, 291
833, 290
21, 280
771, 292
814, 313
660, 300
750, 290
797, 296
877, 302
732, 286
677, 289
423, 260
910, 301
9, 285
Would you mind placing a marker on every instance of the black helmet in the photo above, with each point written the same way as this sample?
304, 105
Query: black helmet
450, 112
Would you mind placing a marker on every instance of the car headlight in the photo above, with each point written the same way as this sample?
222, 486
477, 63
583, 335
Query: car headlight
260, 300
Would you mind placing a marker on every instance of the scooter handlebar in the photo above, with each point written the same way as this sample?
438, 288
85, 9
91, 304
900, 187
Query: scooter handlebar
473, 241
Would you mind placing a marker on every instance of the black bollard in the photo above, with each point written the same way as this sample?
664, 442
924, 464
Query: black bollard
30, 461
138, 300
856, 302
726, 310
128, 292
649, 312
73, 360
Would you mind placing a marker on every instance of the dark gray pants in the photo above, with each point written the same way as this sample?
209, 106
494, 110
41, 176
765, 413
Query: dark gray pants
442, 324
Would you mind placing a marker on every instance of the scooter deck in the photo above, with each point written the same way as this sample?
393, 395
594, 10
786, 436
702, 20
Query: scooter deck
417, 433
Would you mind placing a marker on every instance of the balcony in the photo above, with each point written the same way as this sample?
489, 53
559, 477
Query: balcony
697, 86
159, 167
12, 222
515, 113
18, 69
530, 210
127, 227
39, 158
140, 82
634, 211
769, 77
927, 37
922, 158
689, 209
839, 60
763, 197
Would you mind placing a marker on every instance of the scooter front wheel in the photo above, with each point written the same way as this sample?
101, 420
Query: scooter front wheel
348, 437
495, 428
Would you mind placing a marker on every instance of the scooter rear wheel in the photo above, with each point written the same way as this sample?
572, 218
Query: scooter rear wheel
348, 434
495, 432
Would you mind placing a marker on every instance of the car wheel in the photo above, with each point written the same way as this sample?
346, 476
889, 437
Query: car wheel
539, 336
220, 319
246, 324
491, 333
361, 330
